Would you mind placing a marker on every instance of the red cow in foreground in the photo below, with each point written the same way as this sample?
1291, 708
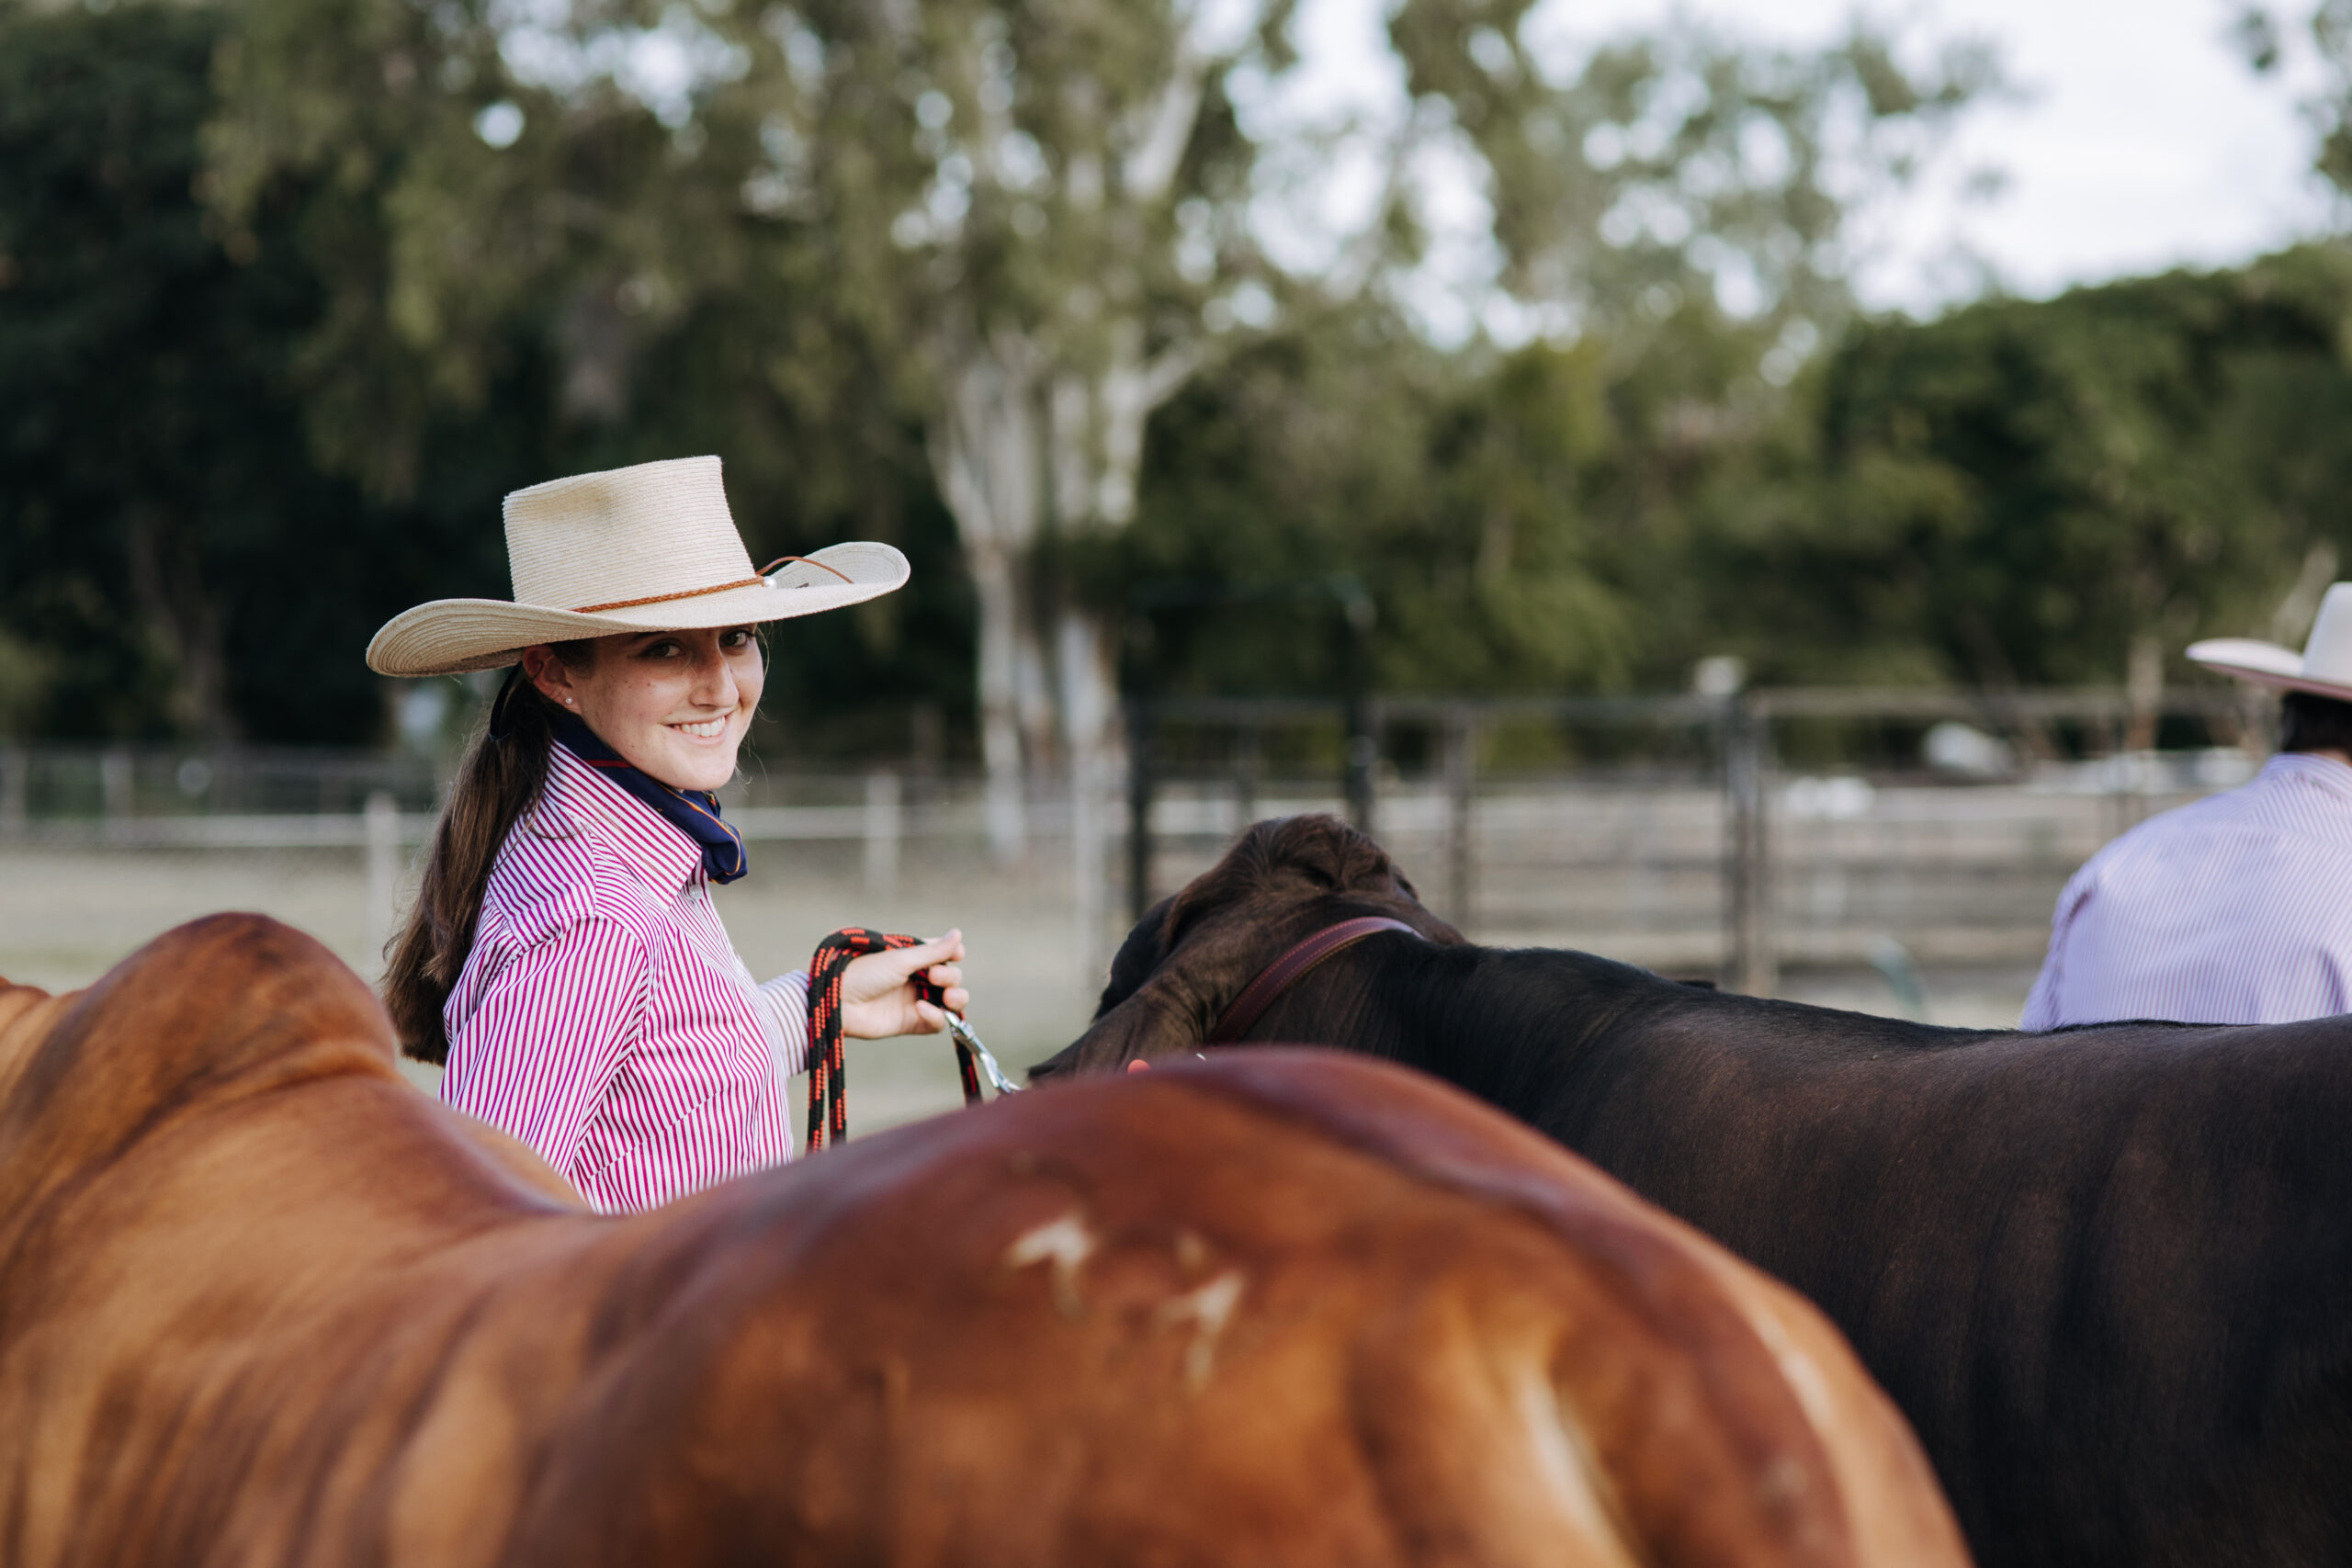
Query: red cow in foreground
261, 1303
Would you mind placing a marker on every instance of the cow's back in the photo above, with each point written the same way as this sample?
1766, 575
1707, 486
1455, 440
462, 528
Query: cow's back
2133, 1243
261, 1303
1275, 1308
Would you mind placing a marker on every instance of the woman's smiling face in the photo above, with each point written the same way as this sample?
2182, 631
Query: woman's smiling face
674, 705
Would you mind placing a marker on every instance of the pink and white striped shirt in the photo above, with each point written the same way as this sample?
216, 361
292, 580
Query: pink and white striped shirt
2229, 910
604, 1017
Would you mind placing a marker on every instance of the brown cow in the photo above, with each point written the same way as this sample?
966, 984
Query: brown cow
2107, 1272
261, 1303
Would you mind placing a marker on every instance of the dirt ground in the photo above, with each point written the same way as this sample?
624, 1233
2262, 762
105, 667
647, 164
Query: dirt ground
66, 916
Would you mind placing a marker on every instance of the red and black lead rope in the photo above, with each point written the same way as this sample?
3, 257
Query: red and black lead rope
828, 1089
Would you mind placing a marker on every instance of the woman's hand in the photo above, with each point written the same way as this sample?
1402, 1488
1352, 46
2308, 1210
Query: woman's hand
879, 993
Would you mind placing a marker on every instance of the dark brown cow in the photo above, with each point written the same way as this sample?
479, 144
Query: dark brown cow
2106, 1273
261, 1303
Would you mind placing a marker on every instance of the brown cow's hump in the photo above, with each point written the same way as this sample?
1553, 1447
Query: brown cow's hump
15, 1001
26, 1013
230, 1005
236, 990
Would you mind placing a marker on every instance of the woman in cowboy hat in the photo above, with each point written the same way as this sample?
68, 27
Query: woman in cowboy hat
2230, 911
564, 958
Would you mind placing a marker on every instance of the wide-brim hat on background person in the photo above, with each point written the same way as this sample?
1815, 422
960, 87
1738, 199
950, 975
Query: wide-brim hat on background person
652, 547
2323, 668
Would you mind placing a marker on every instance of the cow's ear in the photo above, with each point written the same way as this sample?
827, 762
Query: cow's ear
1138, 958
1155, 1021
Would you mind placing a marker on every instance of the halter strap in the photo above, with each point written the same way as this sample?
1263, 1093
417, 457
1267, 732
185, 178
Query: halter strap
1289, 968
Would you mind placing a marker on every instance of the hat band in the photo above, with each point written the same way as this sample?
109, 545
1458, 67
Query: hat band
665, 598
700, 592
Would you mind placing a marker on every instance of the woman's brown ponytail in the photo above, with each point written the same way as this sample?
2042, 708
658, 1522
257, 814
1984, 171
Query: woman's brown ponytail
501, 778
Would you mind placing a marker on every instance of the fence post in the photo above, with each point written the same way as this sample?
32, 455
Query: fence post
883, 827
1363, 756
1461, 789
1245, 774
1360, 718
115, 780
382, 820
1755, 957
15, 771
1139, 787
1089, 859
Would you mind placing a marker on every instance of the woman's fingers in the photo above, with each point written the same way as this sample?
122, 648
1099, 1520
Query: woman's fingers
908, 960
878, 991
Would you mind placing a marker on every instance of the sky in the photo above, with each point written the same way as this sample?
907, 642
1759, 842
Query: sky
2134, 140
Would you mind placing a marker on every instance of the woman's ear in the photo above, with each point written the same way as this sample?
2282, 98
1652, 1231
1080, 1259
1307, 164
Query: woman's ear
546, 671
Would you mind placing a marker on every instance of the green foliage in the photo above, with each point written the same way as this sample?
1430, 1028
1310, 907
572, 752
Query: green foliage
2011, 495
1687, 168
184, 388
156, 556
279, 324
1522, 520
2015, 494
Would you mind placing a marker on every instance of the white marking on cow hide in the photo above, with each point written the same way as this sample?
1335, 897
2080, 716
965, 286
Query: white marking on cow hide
1191, 1252
1066, 1243
1209, 1308
1564, 1463
1801, 1372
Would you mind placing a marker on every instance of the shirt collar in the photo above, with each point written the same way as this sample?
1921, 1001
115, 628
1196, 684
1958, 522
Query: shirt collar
666, 860
2304, 767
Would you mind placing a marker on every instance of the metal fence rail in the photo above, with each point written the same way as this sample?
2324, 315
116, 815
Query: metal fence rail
1697, 835
1726, 835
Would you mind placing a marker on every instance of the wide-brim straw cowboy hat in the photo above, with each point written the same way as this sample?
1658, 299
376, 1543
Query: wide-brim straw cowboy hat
652, 547
2323, 668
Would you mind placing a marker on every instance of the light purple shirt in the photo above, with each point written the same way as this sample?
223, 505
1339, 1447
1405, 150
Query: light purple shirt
2234, 909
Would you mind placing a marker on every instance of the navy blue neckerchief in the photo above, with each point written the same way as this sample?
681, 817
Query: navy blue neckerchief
694, 812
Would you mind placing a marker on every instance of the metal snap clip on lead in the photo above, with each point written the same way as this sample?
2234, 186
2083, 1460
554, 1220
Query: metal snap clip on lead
980, 1054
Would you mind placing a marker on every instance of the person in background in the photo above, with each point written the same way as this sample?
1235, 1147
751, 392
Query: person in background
564, 958
2233, 909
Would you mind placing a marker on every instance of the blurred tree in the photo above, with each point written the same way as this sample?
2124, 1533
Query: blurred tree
1678, 218
1009, 223
2020, 493
1024, 226
172, 563
1688, 167
174, 558
147, 518
2265, 38
1523, 520
2023, 494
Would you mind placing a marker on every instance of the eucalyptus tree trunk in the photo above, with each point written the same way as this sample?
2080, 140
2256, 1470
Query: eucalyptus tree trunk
986, 454
1047, 680
1041, 427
